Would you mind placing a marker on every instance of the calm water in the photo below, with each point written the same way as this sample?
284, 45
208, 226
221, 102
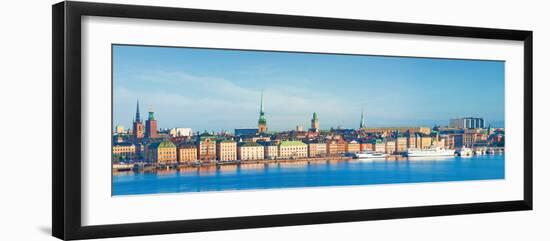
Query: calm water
315, 174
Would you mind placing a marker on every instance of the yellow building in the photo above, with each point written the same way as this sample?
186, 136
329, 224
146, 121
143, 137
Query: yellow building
390, 146
124, 150
250, 151
380, 146
187, 153
292, 149
401, 144
411, 141
353, 147
316, 149
425, 142
162, 152
226, 150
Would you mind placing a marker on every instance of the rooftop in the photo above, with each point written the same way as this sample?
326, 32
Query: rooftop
292, 143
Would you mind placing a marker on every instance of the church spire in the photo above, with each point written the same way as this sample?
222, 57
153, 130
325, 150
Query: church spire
262, 103
138, 118
362, 123
262, 122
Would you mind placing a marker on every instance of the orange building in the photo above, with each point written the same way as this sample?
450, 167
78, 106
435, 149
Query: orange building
353, 147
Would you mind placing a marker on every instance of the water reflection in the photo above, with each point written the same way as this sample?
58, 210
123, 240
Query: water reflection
307, 174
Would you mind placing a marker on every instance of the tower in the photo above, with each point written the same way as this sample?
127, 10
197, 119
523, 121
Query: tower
262, 122
314, 122
362, 124
151, 126
137, 126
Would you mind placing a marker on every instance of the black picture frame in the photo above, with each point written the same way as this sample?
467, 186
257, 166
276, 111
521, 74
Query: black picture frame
66, 127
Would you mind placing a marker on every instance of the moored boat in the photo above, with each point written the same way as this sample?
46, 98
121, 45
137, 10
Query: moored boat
465, 151
367, 154
432, 151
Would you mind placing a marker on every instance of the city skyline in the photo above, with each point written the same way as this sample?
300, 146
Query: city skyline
220, 89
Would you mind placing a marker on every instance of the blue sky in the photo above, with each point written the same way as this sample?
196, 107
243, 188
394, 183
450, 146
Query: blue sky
210, 89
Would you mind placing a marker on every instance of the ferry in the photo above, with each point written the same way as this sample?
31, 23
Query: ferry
366, 154
465, 151
432, 151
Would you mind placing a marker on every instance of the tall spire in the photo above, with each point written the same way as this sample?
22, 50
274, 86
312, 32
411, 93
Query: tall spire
262, 122
262, 103
362, 123
138, 119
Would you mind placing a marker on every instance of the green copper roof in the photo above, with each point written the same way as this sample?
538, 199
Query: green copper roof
249, 144
292, 143
262, 120
315, 116
163, 144
151, 115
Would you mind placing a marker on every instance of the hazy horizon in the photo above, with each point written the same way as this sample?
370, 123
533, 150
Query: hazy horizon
216, 89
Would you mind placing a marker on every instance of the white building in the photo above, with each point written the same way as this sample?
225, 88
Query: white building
175, 132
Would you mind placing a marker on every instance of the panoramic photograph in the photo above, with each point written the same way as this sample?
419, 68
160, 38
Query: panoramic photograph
187, 120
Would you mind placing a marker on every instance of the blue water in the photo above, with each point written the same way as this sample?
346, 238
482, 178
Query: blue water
314, 174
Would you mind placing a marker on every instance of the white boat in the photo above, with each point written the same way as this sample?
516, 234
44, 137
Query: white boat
432, 151
465, 151
369, 155
479, 151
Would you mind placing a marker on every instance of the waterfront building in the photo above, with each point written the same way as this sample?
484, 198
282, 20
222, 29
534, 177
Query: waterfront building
411, 140
353, 147
316, 149
164, 152
262, 122
226, 150
250, 151
292, 149
341, 146
187, 152
138, 128
401, 144
379, 146
124, 151
179, 132
467, 123
423, 141
151, 126
472, 136
457, 139
271, 150
332, 147
391, 146
448, 141
364, 145
315, 127
206, 147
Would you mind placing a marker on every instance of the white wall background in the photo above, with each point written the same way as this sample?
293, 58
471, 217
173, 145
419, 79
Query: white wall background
25, 104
